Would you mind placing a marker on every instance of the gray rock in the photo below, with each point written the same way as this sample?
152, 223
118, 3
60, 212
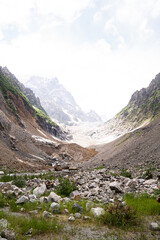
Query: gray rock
154, 226
32, 198
4, 223
89, 205
75, 195
115, 186
150, 182
77, 215
39, 191
66, 200
132, 184
87, 218
55, 208
53, 197
77, 207
97, 211
8, 234
46, 214
71, 219
22, 199
43, 199
65, 211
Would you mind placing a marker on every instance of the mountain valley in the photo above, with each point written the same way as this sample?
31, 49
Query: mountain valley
65, 174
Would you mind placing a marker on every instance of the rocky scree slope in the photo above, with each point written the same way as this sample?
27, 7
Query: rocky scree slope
137, 148
26, 133
58, 102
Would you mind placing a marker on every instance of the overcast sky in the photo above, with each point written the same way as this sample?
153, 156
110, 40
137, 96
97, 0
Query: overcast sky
100, 50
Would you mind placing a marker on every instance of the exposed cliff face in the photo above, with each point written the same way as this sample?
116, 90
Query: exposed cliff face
58, 102
143, 105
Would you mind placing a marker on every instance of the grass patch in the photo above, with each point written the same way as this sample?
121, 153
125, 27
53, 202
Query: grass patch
21, 225
98, 168
41, 114
143, 204
19, 181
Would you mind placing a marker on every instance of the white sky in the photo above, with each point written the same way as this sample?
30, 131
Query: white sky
100, 50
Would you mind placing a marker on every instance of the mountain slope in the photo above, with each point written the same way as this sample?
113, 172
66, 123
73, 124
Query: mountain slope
135, 149
27, 135
20, 105
58, 102
142, 108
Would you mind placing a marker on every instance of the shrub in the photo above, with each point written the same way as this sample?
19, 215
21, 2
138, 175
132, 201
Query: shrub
65, 187
19, 181
148, 174
126, 173
2, 201
119, 216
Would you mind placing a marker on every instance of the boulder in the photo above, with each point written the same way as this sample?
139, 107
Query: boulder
75, 195
71, 219
39, 191
150, 182
8, 234
46, 214
77, 207
97, 211
77, 215
154, 226
22, 200
4, 223
55, 208
53, 197
115, 186
32, 198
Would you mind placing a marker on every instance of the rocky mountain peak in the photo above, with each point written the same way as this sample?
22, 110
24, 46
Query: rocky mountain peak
58, 102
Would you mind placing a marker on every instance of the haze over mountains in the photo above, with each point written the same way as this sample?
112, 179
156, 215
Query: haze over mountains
58, 102
30, 138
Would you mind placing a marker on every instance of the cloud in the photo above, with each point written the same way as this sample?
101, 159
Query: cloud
68, 10
97, 18
1, 35
117, 51
15, 12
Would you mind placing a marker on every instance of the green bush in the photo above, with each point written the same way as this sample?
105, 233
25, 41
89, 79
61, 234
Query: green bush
65, 187
126, 173
119, 216
19, 181
148, 174
2, 201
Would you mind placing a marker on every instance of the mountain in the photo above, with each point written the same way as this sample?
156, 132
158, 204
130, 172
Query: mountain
58, 102
138, 149
142, 108
137, 127
14, 94
29, 139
